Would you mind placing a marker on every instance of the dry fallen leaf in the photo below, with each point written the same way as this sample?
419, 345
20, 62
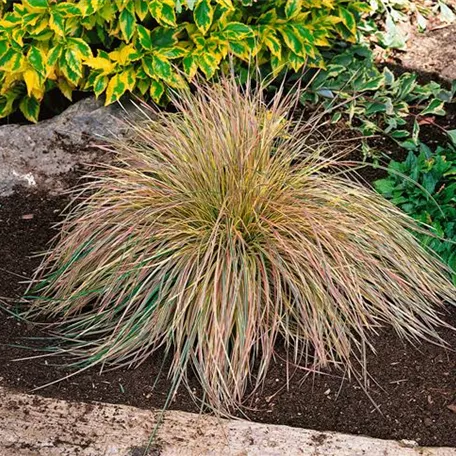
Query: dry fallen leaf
27, 217
452, 407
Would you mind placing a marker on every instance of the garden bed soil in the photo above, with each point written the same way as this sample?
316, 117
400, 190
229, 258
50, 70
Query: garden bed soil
415, 391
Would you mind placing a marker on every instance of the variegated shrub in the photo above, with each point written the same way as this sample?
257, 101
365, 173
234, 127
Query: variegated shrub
147, 46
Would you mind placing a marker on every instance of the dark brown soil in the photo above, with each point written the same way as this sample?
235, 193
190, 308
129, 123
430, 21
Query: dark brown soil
416, 390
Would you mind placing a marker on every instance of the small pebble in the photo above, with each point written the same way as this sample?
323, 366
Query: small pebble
428, 422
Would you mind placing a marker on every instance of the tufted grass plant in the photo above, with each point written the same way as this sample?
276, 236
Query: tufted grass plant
221, 229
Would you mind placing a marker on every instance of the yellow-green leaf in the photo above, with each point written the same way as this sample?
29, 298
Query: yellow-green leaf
54, 54
292, 39
116, 88
71, 66
348, 19
273, 44
141, 9
37, 59
190, 65
163, 12
208, 64
32, 80
100, 63
142, 85
66, 88
18, 35
144, 37
156, 90
127, 24
30, 107
203, 15
236, 31
161, 67
292, 8
125, 54
57, 23
100, 84
80, 47
36, 5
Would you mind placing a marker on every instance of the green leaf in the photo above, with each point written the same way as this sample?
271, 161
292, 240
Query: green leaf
374, 108
399, 134
372, 84
38, 4
203, 15
237, 31
30, 107
54, 54
127, 24
336, 117
452, 136
384, 186
434, 107
144, 37
389, 76
409, 144
141, 9
163, 37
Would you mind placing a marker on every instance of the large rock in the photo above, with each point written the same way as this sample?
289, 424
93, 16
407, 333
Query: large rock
41, 155
37, 426
433, 51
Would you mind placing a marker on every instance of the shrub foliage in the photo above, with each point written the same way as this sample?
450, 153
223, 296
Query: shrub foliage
114, 46
218, 232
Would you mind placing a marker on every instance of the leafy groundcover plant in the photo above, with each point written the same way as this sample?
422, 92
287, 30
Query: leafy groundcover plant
424, 186
220, 232
374, 101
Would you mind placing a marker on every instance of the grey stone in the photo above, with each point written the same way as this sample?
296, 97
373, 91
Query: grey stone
31, 425
39, 156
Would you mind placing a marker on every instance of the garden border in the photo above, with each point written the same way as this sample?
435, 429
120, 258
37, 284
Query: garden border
38, 426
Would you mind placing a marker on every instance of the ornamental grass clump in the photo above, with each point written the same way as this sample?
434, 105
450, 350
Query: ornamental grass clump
221, 231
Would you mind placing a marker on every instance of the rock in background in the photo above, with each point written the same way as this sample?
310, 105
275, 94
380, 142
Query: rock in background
41, 156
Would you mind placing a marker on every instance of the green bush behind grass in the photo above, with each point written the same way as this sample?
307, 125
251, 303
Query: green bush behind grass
147, 46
